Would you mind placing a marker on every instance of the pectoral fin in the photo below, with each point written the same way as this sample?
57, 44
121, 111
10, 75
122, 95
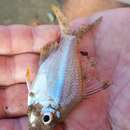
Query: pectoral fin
28, 77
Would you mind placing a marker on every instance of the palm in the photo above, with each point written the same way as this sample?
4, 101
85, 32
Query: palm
109, 45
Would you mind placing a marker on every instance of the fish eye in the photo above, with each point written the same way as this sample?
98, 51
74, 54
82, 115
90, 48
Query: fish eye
47, 118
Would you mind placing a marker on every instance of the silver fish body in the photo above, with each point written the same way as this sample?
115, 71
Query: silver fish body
57, 86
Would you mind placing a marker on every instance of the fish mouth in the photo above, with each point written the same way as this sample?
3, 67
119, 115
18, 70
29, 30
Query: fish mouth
34, 116
39, 120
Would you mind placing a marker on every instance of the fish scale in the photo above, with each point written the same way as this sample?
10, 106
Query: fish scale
57, 67
72, 90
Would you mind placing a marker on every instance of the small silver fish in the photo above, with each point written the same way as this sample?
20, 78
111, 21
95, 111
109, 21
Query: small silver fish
51, 17
58, 85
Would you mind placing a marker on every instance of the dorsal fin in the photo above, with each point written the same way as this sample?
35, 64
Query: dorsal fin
62, 20
46, 50
86, 28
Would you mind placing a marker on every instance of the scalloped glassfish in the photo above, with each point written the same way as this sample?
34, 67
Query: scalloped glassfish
58, 85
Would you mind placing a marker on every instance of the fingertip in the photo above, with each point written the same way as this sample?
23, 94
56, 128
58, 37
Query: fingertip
43, 35
60, 126
17, 39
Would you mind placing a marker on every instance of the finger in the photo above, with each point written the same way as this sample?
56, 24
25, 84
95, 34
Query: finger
18, 124
14, 124
13, 69
2, 101
90, 114
60, 127
17, 39
100, 44
13, 101
111, 53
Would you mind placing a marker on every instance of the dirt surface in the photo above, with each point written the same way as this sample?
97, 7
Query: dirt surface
31, 11
74, 9
24, 11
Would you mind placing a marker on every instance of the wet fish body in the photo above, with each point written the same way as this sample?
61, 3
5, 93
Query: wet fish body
55, 73
58, 83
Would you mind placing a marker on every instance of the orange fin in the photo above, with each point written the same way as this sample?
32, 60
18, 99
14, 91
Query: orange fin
28, 73
46, 50
28, 77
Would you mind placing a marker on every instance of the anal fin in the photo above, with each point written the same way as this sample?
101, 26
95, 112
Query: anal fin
95, 87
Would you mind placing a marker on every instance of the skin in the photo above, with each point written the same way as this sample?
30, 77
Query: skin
108, 44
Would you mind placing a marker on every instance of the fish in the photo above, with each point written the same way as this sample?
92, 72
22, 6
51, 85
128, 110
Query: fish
58, 85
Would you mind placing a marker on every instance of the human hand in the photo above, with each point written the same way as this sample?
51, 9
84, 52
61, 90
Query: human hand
108, 44
19, 47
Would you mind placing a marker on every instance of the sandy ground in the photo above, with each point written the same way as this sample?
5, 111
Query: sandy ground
24, 11
29, 11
